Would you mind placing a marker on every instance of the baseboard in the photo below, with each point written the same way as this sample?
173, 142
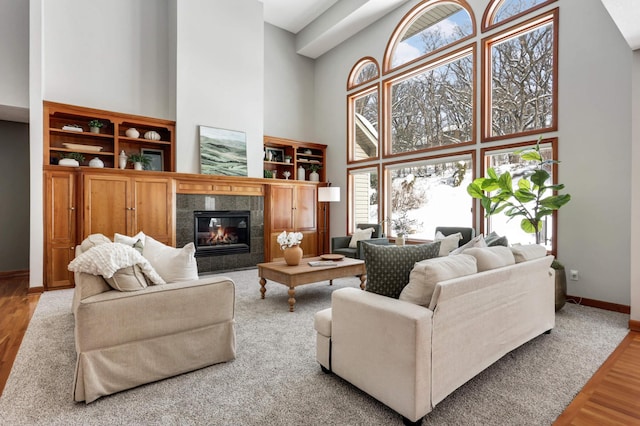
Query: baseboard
634, 325
9, 275
607, 306
32, 290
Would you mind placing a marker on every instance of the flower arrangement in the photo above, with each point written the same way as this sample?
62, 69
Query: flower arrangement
289, 239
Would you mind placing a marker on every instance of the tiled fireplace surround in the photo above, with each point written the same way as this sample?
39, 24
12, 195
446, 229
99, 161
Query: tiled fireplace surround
186, 204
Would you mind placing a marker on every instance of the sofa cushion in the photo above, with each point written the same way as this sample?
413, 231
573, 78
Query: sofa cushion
138, 239
427, 273
359, 235
129, 278
477, 241
448, 243
491, 257
522, 253
388, 267
493, 239
92, 241
172, 264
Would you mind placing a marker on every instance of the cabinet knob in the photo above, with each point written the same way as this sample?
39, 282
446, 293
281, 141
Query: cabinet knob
72, 208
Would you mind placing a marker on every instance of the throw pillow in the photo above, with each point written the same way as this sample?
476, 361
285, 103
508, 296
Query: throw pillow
388, 267
130, 278
491, 257
359, 235
139, 238
92, 241
427, 273
494, 239
172, 264
448, 243
522, 253
478, 241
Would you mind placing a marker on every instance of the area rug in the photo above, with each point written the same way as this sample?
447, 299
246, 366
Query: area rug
275, 379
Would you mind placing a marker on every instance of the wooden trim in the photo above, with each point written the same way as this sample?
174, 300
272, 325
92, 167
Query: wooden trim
21, 273
608, 306
634, 325
37, 290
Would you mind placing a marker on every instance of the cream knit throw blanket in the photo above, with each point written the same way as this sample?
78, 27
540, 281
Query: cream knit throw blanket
106, 259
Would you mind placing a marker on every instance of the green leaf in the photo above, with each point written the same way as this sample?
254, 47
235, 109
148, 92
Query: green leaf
539, 177
524, 195
528, 227
474, 190
492, 173
531, 156
486, 205
490, 185
505, 182
524, 184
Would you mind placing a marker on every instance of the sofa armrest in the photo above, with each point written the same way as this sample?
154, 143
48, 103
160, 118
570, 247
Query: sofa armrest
113, 317
340, 242
383, 346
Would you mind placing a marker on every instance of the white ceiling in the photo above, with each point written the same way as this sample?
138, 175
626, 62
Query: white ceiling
626, 15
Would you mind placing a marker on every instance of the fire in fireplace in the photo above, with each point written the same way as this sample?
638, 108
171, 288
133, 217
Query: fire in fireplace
218, 232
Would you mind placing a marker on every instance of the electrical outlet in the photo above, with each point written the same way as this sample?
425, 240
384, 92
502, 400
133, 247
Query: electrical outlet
573, 275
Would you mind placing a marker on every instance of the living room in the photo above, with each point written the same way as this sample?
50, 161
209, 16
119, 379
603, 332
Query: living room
174, 60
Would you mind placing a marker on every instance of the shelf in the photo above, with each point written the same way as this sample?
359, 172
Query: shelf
143, 140
295, 149
82, 135
81, 151
279, 163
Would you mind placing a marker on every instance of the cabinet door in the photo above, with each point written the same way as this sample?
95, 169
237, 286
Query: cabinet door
305, 208
153, 204
281, 206
60, 228
107, 205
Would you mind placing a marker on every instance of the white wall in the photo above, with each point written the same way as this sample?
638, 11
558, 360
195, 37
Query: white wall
594, 138
288, 87
14, 51
111, 55
635, 189
220, 73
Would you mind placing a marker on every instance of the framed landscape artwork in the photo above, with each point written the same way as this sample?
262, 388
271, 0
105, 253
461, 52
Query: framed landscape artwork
222, 152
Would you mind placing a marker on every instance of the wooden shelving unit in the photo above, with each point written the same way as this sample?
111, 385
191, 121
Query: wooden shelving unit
305, 154
111, 140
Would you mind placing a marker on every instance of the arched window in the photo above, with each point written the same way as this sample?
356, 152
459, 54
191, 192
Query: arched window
363, 72
428, 28
501, 11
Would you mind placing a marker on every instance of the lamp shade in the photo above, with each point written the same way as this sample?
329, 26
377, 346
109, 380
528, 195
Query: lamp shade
329, 194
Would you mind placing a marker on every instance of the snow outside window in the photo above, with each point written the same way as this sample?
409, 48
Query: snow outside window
363, 187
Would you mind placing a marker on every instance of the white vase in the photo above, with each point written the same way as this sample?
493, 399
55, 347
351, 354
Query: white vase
96, 162
132, 133
301, 173
400, 240
122, 158
137, 166
152, 135
314, 177
69, 162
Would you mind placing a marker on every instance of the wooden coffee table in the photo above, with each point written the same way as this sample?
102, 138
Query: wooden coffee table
293, 276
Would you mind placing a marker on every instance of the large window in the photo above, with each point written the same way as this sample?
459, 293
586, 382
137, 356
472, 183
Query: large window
415, 121
520, 80
427, 194
364, 192
503, 160
433, 106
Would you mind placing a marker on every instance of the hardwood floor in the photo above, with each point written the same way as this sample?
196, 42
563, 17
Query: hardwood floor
611, 397
16, 308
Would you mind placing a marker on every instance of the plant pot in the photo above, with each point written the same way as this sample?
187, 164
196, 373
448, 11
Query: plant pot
138, 166
400, 240
314, 177
293, 255
561, 287
94, 129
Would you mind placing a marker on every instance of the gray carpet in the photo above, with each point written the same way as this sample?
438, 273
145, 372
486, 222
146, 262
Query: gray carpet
275, 379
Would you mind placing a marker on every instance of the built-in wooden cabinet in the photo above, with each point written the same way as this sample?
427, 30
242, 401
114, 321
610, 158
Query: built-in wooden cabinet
286, 156
125, 204
291, 207
66, 130
60, 227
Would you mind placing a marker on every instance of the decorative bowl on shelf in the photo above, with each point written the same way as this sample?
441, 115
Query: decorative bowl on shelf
79, 147
307, 151
132, 133
152, 135
69, 162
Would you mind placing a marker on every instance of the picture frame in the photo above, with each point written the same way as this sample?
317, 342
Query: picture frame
223, 152
274, 154
156, 157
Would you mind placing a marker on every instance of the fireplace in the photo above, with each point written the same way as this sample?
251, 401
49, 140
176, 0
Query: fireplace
221, 232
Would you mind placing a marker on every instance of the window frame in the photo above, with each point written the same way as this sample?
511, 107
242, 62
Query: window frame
488, 18
386, 184
351, 137
485, 227
350, 206
357, 69
387, 85
486, 116
407, 20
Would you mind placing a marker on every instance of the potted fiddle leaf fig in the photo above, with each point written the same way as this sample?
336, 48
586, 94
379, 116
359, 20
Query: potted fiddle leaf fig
534, 198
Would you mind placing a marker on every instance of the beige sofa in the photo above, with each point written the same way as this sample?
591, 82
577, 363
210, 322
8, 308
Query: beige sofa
128, 338
411, 357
